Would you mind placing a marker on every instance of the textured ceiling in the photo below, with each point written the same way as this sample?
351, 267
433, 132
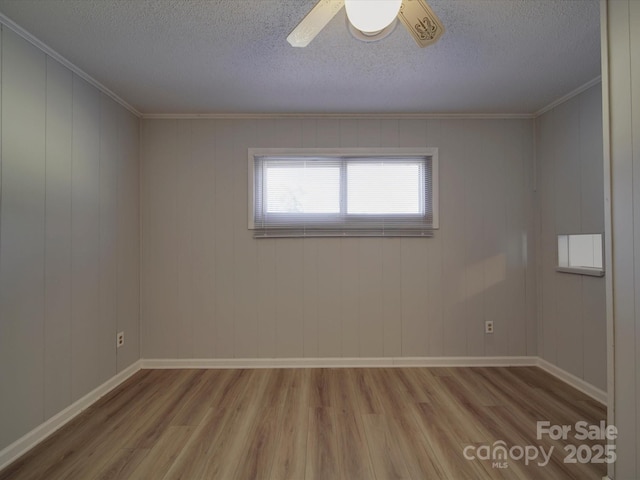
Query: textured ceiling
223, 56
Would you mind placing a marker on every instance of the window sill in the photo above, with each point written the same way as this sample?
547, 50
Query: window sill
593, 272
259, 233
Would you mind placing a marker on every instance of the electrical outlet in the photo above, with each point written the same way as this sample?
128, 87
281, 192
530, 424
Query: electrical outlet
488, 326
120, 339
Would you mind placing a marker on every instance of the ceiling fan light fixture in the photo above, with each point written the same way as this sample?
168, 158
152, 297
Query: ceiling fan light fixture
371, 16
370, 37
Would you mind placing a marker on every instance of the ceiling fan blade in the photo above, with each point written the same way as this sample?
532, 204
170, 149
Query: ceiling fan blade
314, 22
424, 26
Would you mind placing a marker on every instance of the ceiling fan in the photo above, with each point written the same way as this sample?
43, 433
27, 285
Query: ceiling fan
371, 20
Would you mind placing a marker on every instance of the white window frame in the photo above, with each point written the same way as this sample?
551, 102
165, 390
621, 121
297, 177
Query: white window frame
296, 153
564, 263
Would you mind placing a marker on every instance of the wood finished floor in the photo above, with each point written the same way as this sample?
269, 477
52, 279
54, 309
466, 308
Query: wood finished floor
400, 423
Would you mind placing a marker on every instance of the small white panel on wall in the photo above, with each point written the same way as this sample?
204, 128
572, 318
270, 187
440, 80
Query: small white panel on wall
580, 254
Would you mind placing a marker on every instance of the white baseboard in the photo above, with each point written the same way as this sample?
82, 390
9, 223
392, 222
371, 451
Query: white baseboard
575, 382
339, 362
37, 435
44, 430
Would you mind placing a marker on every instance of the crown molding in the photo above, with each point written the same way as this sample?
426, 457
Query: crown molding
568, 96
11, 25
338, 116
7, 22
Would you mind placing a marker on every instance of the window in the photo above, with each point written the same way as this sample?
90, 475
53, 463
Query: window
357, 192
580, 254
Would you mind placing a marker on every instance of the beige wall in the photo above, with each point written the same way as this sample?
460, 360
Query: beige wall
621, 66
209, 290
69, 234
572, 319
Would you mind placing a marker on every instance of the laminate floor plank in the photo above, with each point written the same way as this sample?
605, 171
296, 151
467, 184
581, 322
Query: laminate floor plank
322, 446
258, 451
386, 454
295, 424
193, 411
163, 454
129, 425
515, 421
419, 457
320, 395
477, 389
61, 453
225, 452
447, 445
461, 411
122, 464
160, 418
289, 461
368, 401
559, 403
62, 447
353, 452
193, 459
344, 398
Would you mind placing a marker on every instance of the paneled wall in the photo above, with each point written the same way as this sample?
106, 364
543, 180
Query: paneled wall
622, 34
570, 199
209, 290
69, 237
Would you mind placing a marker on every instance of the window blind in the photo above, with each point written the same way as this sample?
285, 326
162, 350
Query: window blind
364, 195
